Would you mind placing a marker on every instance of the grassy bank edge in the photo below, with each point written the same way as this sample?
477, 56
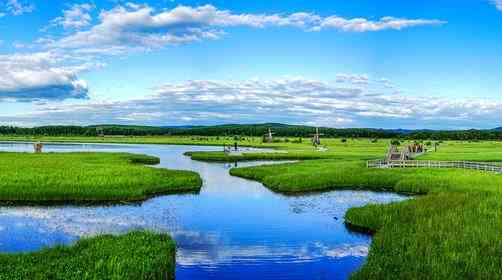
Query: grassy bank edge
136, 140
451, 230
192, 182
136, 255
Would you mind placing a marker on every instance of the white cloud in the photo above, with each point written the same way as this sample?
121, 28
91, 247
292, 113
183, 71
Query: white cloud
17, 7
141, 27
37, 76
353, 78
365, 25
290, 100
193, 247
498, 4
77, 17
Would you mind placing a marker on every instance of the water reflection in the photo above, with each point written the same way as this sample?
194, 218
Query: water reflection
233, 229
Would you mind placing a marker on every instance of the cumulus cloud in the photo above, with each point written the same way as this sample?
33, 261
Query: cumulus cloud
141, 27
77, 17
291, 100
18, 7
36, 76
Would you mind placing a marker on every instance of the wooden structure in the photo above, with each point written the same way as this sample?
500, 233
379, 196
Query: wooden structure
407, 153
394, 154
37, 147
316, 138
403, 159
268, 137
483, 166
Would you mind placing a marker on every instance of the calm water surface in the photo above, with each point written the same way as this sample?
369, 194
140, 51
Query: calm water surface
233, 229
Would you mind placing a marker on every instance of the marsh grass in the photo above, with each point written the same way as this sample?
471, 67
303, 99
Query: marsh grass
452, 231
87, 177
363, 149
136, 255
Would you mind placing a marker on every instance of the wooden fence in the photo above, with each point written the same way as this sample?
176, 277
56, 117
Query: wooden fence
434, 164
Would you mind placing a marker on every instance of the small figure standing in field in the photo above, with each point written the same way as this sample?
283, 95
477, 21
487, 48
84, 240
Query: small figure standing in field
38, 147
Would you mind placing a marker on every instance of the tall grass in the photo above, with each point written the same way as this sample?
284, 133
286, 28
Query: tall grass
137, 255
87, 177
452, 232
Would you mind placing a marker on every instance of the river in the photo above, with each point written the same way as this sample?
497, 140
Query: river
232, 229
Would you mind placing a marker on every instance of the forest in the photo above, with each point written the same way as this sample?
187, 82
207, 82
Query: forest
257, 130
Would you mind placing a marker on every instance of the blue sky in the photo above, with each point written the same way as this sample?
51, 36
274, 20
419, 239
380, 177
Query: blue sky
423, 64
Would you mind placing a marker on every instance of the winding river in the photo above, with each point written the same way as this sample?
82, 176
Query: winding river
232, 229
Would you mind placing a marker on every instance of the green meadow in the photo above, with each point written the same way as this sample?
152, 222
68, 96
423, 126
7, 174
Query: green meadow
485, 151
167, 140
349, 149
87, 177
152, 256
450, 230
289, 148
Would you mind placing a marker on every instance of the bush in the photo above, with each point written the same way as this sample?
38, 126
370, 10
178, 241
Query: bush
395, 142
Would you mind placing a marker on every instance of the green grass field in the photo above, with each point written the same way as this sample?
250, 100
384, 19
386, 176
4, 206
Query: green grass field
488, 151
290, 149
87, 177
362, 149
450, 231
102, 257
166, 140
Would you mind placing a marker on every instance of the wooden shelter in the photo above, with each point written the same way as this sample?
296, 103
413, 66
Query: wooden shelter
407, 153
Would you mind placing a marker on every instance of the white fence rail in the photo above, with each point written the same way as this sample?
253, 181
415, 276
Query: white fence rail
434, 164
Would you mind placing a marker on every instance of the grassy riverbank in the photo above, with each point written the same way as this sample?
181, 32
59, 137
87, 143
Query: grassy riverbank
363, 149
137, 255
87, 177
286, 148
162, 140
451, 232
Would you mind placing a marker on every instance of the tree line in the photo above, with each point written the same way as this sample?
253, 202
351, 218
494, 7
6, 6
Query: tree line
256, 130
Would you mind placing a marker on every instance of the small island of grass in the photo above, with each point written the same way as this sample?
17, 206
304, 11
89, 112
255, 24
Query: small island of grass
87, 177
102, 257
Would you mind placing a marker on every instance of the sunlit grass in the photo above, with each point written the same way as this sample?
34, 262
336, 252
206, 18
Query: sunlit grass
451, 231
87, 177
137, 255
332, 149
486, 151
